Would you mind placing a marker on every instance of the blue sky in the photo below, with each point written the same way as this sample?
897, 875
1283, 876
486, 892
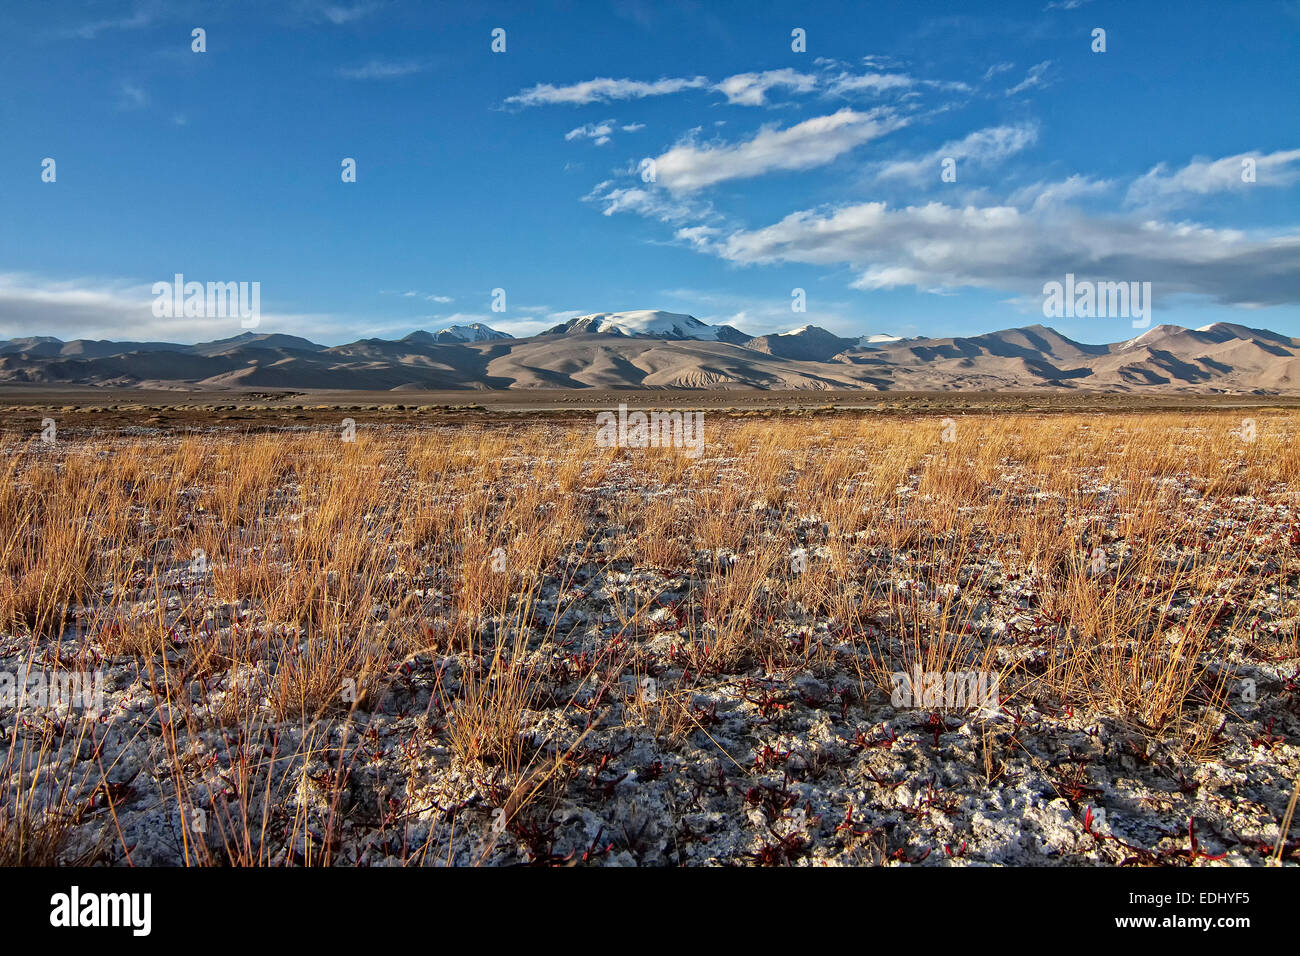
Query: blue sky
523, 170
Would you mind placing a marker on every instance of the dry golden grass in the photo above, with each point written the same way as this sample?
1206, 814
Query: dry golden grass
315, 563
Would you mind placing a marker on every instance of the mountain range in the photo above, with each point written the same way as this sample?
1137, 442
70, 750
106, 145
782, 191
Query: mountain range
654, 349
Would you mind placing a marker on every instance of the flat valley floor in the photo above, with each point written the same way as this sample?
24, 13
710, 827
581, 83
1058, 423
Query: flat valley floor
471, 636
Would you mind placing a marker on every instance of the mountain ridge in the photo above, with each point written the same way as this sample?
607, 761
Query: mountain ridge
655, 349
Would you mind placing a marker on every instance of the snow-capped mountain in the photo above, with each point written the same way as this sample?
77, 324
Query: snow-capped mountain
1152, 335
669, 350
474, 332
651, 322
808, 343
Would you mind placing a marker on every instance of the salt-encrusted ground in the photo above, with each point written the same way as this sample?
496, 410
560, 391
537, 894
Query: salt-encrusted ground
666, 721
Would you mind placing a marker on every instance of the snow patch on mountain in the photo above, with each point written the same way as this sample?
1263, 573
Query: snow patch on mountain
671, 325
1158, 331
474, 332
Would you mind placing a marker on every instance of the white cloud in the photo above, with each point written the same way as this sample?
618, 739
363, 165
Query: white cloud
953, 85
648, 202
937, 246
121, 310
814, 142
382, 70
876, 61
750, 89
1033, 78
981, 148
603, 89
1040, 196
741, 89
701, 237
846, 83
633, 127
1160, 187
598, 133
142, 16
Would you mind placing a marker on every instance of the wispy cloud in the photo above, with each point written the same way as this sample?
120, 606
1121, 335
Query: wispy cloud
1038, 232
414, 294
647, 202
846, 83
741, 89
1162, 187
598, 133
142, 16
99, 308
981, 148
814, 142
1043, 195
750, 89
604, 89
879, 61
1033, 78
382, 70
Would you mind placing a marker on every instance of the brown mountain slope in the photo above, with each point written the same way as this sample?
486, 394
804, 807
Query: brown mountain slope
1221, 358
